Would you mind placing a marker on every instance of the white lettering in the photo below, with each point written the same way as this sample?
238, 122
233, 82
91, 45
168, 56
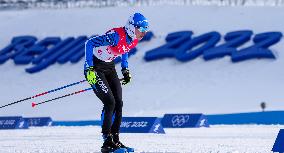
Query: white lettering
102, 85
9, 122
125, 124
139, 124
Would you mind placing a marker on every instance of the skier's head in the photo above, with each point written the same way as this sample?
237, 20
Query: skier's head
136, 26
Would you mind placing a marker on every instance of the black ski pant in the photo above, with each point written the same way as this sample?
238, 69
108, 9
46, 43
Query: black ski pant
108, 90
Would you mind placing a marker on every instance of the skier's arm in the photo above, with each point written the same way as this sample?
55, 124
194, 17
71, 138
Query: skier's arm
108, 39
124, 63
124, 69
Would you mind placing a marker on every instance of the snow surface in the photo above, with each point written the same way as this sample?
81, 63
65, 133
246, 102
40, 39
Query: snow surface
158, 87
58, 4
216, 139
164, 86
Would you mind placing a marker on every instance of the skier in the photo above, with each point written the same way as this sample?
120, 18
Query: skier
99, 70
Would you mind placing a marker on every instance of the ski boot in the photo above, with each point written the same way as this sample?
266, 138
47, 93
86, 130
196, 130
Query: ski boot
109, 146
118, 143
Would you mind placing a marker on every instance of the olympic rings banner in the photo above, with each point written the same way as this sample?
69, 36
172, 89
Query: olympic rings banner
184, 121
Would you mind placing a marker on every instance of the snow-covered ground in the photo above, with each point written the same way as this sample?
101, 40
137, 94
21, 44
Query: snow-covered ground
158, 87
57, 4
217, 139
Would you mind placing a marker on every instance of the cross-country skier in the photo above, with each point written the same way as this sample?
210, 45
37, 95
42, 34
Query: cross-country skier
99, 70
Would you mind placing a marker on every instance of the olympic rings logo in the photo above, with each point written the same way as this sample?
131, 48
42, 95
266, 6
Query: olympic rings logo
179, 120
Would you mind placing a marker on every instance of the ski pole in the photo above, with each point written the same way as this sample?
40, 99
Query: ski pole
44, 93
70, 94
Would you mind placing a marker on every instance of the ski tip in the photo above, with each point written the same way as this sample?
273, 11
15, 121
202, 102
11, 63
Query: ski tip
121, 150
129, 150
33, 104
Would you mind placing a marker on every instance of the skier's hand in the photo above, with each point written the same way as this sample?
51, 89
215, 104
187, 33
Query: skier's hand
126, 76
91, 75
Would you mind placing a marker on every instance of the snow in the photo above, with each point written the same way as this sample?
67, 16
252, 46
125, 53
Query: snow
158, 87
57, 4
216, 139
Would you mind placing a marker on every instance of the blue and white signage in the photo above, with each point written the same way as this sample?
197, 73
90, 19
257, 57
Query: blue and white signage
279, 142
184, 121
39, 121
141, 125
13, 122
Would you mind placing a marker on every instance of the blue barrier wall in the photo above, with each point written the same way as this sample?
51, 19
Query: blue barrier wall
13, 122
278, 145
270, 117
38, 121
141, 125
77, 123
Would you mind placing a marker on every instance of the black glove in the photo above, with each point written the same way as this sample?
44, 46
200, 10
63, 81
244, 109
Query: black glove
126, 76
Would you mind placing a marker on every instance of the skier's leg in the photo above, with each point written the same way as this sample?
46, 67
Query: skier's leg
103, 92
116, 89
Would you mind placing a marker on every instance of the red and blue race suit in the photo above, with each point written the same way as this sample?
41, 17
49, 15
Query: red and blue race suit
108, 46
100, 53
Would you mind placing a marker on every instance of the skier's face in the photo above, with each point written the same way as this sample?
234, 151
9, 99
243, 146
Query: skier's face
139, 34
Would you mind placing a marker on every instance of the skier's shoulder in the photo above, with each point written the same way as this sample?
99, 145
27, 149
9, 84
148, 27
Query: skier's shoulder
112, 36
112, 33
117, 32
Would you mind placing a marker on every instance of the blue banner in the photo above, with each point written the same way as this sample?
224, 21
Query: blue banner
39, 121
77, 123
184, 121
279, 142
141, 125
267, 117
13, 122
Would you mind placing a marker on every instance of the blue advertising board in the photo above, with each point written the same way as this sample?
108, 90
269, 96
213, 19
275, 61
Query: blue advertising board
13, 122
141, 125
184, 121
279, 142
39, 121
